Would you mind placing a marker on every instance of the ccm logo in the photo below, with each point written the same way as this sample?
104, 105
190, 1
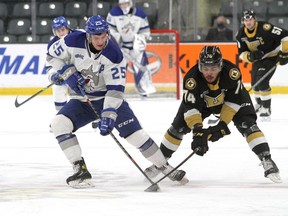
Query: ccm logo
125, 122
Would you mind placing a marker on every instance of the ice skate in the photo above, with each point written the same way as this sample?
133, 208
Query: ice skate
177, 175
265, 114
81, 177
257, 107
152, 171
271, 170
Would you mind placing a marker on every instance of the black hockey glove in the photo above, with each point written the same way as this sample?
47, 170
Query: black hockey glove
255, 55
200, 141
282, 58
218, 131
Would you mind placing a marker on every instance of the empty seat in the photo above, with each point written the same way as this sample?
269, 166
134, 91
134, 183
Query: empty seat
76, 9
21, 10
8, 39
280, 22
28, 39
259, 7
227, 6
73, 22
101, 8
150, 8
19, 26
278, 8
51, 9
46, 38
2, 29
3, 10
43, 26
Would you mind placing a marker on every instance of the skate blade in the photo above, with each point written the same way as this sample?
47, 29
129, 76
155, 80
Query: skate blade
275, 177
265, 118
87, 183
184, 181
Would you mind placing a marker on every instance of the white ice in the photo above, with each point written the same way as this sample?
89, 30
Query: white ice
227, 181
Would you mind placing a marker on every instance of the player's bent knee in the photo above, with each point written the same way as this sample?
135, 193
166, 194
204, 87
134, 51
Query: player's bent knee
138, 138
60, 124
248, 128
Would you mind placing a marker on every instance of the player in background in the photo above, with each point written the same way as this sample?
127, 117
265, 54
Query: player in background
214, 86
264, 45
92, 62
130, 28
60, 28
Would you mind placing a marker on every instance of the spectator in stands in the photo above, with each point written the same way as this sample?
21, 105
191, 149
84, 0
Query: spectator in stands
221, 32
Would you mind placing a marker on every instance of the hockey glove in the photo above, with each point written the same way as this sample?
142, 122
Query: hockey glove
282, 58
218, 131
108, 118
139, 43
74, 81
200, 141
255, 55
57, 79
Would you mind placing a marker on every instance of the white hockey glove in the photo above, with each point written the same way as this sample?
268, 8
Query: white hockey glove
139, 43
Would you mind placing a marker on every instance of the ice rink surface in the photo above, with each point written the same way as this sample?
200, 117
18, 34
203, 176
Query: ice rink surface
227, 181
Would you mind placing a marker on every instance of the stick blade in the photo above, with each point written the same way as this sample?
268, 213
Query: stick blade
153, 188
16, 102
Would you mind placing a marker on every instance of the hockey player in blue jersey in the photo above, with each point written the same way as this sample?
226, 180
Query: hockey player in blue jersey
60, 28
130, 28
95, 62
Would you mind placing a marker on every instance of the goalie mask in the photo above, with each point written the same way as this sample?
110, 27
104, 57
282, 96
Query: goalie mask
210, 56
58, 23
125, 6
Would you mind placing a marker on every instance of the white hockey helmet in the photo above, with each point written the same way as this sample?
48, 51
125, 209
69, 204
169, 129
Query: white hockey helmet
127, 9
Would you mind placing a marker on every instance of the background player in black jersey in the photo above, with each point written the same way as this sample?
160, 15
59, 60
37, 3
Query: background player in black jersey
264, 45
214, 86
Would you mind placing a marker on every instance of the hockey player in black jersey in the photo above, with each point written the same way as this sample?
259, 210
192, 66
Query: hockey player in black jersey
264, 45
214, 86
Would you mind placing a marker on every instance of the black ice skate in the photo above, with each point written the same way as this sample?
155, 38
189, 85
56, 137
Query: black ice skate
81, 177
177, 175
265, 114
271, 169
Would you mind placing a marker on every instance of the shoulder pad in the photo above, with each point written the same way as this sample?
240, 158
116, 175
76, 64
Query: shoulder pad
116, 11
75, 39
140, 13
113, 52
234, 74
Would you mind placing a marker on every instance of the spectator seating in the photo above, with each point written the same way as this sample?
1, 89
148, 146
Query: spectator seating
21, 9
150, 8
75, 9
280, 22
102, 8
51, 9
8, 39
19, 26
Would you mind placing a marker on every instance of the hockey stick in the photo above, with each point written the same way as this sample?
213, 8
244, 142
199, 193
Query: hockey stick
17, 104
155, 187
262, 78
175, 168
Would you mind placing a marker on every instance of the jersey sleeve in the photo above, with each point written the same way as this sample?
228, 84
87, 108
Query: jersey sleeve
234, 90
192, 100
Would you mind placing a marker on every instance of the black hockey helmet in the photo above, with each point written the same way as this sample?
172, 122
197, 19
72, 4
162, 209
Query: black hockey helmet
210, 56
248, 14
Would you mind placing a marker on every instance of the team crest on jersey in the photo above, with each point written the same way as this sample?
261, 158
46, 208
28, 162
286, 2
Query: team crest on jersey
190, 84
234, 74
267, 26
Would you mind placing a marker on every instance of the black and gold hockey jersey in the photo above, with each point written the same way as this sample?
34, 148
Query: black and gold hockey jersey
226, 97
265, 37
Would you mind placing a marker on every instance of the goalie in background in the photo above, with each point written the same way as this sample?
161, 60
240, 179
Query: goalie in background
214, 86
130, 28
